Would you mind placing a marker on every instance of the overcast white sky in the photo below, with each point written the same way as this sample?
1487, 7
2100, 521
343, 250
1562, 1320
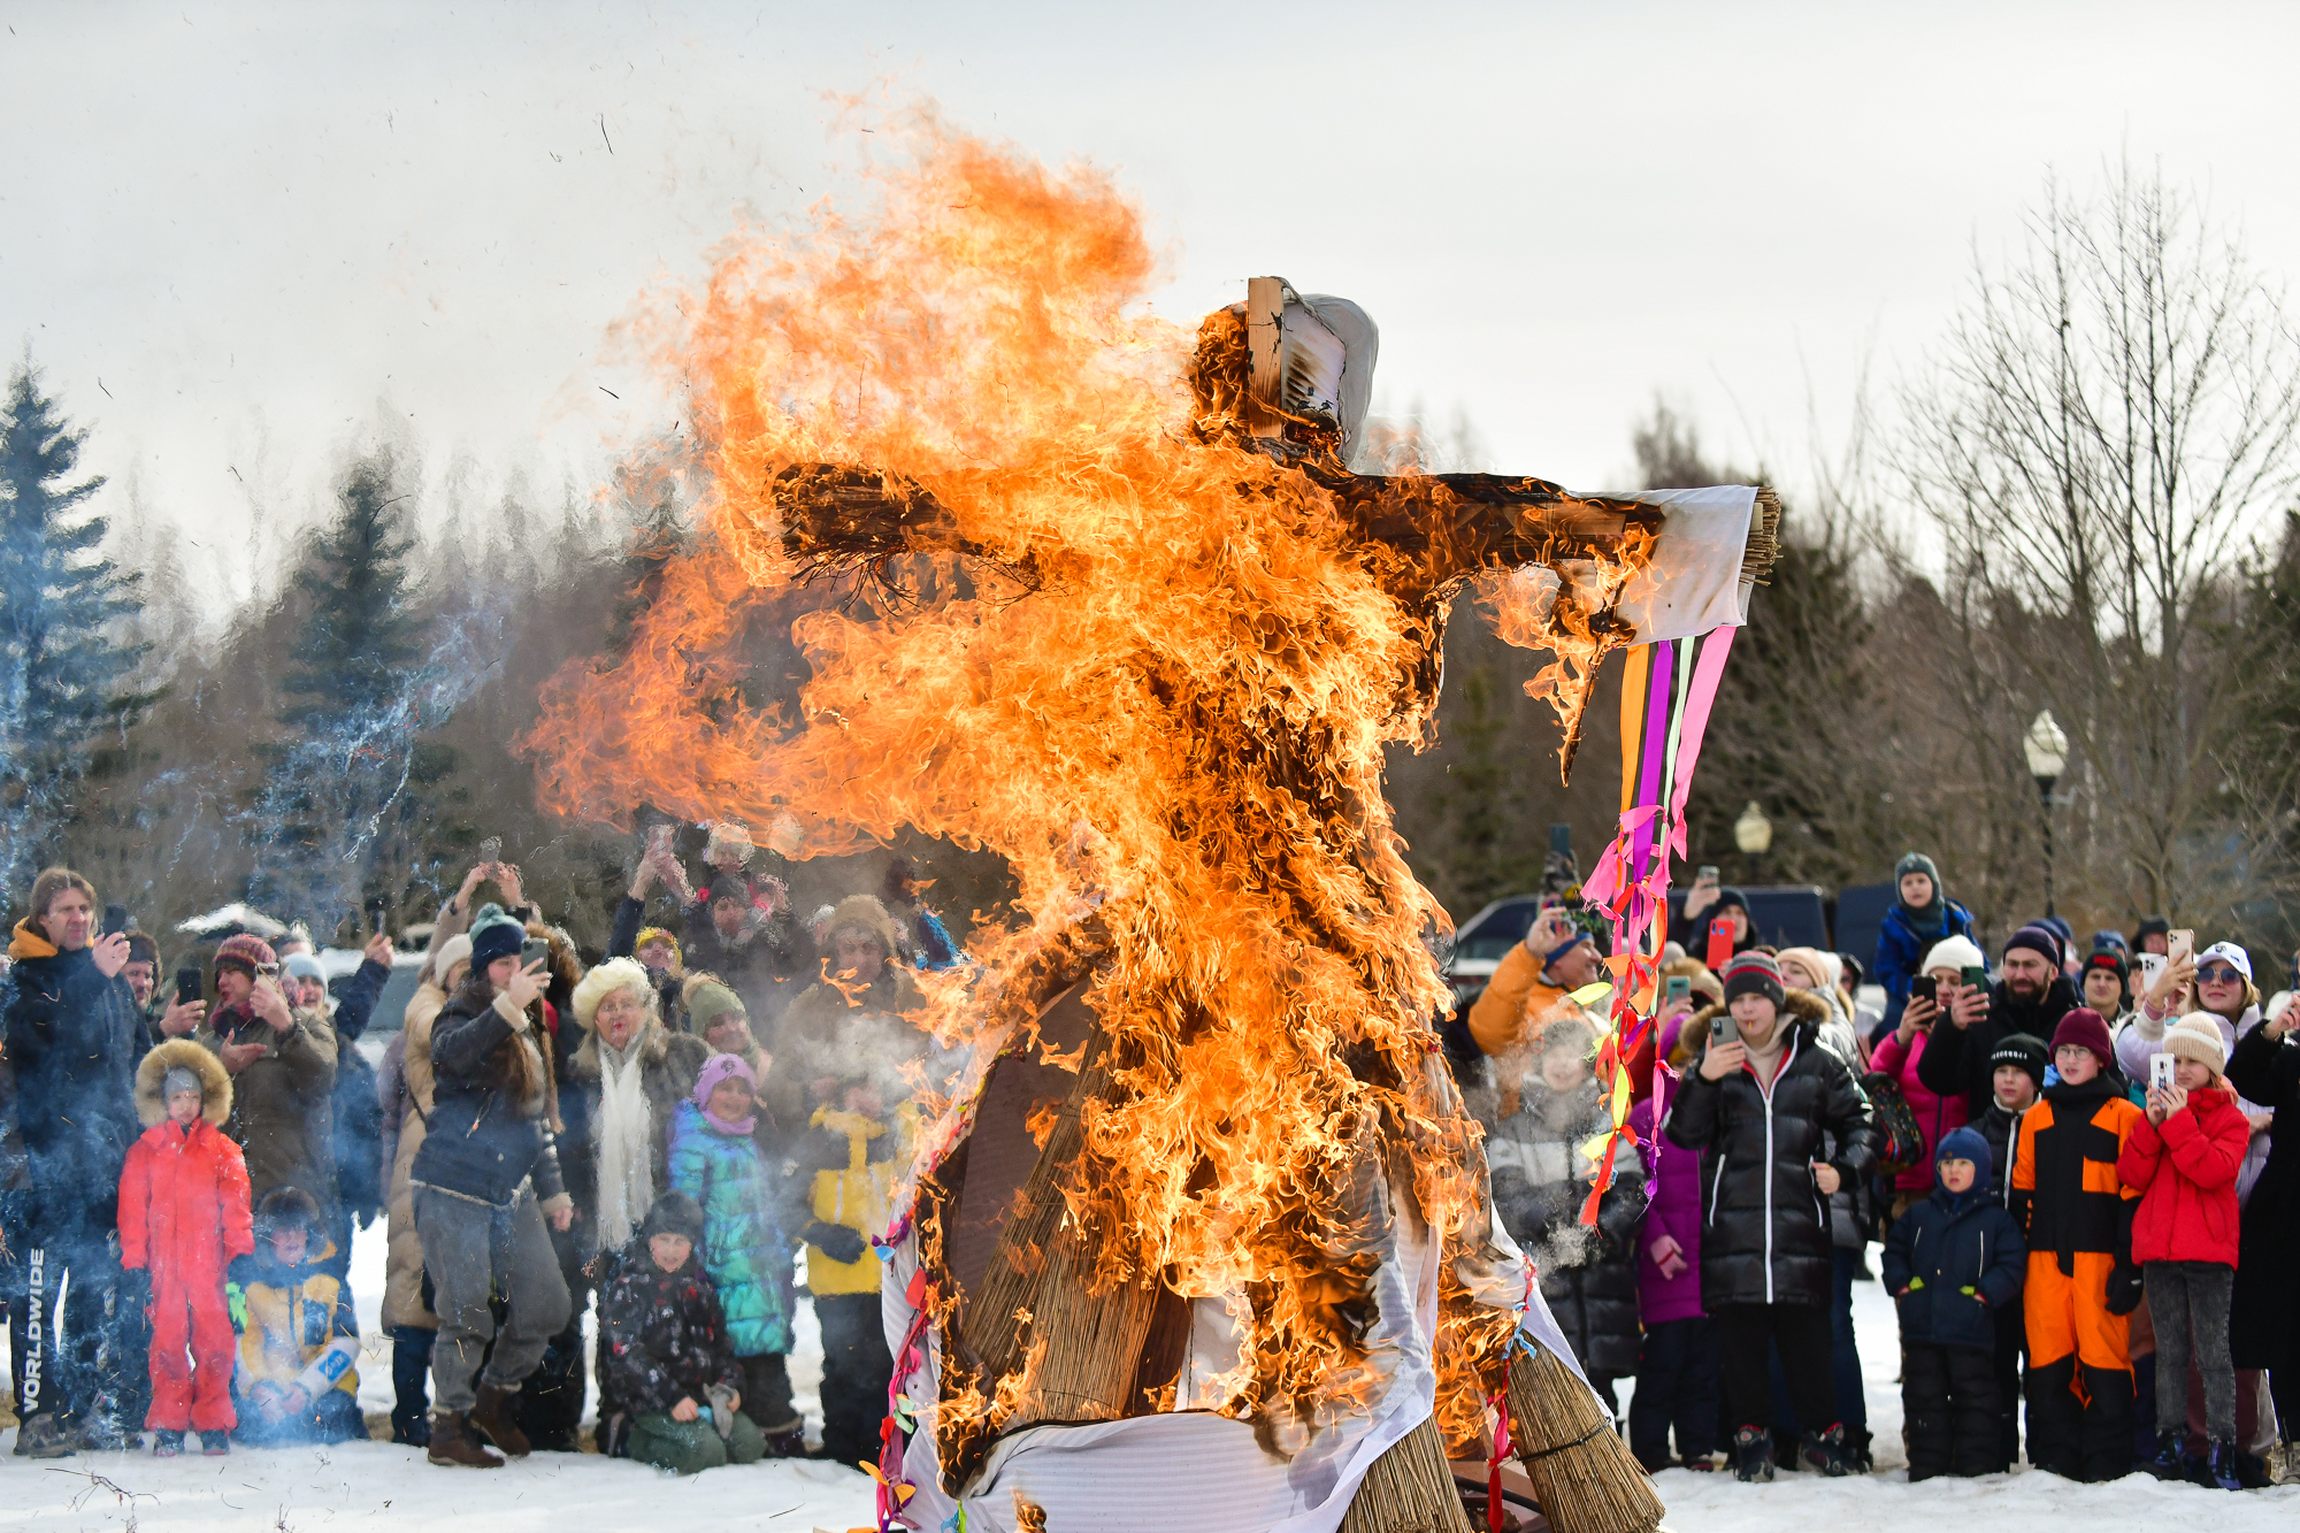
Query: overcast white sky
237, 235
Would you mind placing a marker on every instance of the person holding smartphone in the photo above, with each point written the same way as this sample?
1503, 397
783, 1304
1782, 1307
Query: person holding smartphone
1531, 987
1763, 1110
2030, 996
282, 1065
487, 1194
72, 1035
2182, 1158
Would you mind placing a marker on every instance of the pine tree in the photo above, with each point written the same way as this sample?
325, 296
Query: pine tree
339, 799
64, 665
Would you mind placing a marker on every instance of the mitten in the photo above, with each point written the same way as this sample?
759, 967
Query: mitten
836, 1241
2124, 1288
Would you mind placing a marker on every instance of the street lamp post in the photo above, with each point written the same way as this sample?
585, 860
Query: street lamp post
1753, 833
2046, 747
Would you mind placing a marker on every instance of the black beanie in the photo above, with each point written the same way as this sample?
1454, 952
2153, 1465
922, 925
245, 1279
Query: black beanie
2039, 939
2110, 958
674, 1213
2024, 1051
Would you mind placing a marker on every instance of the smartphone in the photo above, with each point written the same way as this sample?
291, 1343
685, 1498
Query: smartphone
2179, 943
1561, 840
1925, 987
1724, 1030
2147, 968
1706, 873
1677, 988
533, 951
1976, 977
378, 913
116, 919
1720, 943
2160, 1071
187, 984
491, 849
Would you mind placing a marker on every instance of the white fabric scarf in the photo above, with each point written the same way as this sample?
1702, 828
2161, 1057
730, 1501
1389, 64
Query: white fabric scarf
625, 1132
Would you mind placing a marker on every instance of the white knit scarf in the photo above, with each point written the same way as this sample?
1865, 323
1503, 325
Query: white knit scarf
626, 1133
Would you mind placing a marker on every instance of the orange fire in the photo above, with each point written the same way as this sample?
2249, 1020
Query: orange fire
1151, 667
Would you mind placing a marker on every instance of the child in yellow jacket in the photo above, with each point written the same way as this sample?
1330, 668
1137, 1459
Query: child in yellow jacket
299, 1344
851, 1150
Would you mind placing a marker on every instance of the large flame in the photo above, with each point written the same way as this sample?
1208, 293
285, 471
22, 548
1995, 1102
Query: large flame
1158, 681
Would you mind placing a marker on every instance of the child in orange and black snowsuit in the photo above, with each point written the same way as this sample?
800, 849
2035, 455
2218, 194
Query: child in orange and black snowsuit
2082, 1284
184, 1216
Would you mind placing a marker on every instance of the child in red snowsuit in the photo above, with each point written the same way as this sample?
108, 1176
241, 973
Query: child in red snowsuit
183, 1217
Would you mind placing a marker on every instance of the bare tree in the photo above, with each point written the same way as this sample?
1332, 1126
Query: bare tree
2109, 427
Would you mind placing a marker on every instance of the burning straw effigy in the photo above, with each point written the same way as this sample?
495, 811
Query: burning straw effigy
1199, 1235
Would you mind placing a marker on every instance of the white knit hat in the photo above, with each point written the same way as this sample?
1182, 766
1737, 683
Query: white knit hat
1954, 953
2197, 1036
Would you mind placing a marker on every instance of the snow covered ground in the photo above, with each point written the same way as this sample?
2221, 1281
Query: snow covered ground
365, 1486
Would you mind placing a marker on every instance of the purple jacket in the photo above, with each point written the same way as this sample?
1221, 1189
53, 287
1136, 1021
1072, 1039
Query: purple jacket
1675, 1209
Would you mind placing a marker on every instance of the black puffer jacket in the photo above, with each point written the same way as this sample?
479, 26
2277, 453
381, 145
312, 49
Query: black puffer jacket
1764, 1220
1540, 1182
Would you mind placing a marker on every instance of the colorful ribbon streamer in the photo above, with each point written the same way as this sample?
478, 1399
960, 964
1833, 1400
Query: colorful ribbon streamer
1667, 692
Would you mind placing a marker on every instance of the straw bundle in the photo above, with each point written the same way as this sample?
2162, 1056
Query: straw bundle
1764, 547
1582, 1472
1409, 1489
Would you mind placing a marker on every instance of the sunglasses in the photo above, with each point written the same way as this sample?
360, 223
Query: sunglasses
2218, 974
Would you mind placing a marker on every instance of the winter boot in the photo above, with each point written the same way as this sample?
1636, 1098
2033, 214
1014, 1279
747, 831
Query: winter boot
167, 1444
492, 1415
102, 1433
453, 1443
43, 1436
215, 1444
1753, 1454
1824, 1452
2171, 1461
2284, 1464
2220, 1467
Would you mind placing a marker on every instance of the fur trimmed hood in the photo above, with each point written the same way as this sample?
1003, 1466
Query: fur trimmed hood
870, 913
183, 1054
1806, 1012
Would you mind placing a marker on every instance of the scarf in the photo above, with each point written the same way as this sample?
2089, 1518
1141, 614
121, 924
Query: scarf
625, 1132
1765, 1062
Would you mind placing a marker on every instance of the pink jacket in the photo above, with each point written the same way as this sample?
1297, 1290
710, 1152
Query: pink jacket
1936, 1114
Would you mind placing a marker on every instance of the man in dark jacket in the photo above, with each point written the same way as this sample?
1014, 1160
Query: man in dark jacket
1762, 1109
2031, 997
73, 1039
1953, 1263
487, 1195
